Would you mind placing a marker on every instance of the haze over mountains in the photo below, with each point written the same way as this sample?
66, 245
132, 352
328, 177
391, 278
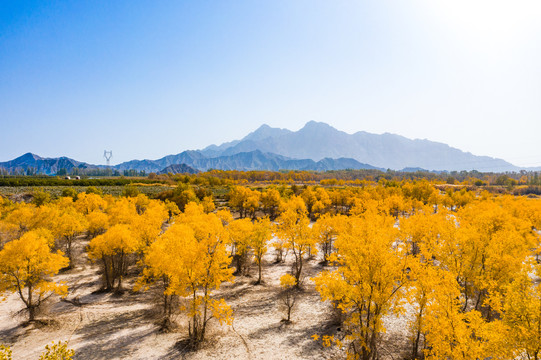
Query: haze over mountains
318, 140
317, 146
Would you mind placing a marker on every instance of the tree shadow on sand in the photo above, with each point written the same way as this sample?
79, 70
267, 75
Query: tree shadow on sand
295, 336
180, 350
12, 335
102, 337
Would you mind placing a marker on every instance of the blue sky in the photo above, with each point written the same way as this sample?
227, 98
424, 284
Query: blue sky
151, 78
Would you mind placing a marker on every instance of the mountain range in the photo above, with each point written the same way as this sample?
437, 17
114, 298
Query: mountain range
187, 162
318, 140
317, 146
35, 164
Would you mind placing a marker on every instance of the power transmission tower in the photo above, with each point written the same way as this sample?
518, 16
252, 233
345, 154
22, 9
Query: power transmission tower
108, 155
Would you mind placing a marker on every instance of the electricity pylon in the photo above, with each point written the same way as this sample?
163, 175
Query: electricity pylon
108, 155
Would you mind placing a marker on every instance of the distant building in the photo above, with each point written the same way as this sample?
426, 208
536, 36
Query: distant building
77, 178
67, 178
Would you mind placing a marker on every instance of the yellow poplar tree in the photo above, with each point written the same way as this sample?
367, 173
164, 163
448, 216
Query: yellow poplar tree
194, 267
522, 315
252, 204
296, 208
88, 202
238, 199
8, 230
288, 294
172, 209
142, 202
492, 245
326, 229
451, 333
121, 211
240, 233
270, 201
113, 249
22, 217
323, 201
147, 226
208, 204
294, 229
369, 281
426, 281
225, 216
159, 269
67, 226
98, 222
262, 233
309, 197
27, 266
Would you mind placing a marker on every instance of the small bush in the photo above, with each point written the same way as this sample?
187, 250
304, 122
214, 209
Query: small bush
58, 351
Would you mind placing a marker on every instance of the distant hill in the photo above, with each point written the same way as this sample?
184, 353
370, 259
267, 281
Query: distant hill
257, 160
185, 157
414, 170
243, 161
178, 169
188, 162
318, 140
38, 165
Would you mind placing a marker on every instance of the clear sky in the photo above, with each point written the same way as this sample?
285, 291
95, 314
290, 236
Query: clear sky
151, 78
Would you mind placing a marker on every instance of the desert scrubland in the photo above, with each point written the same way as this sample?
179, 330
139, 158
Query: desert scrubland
405, 269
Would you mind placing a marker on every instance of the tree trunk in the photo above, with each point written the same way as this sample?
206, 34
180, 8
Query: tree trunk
298, 265
418, 336
31, 313
205, 299
68, 252
279, 255
105, 275
165, 305
120, 270
466, 298
288, 313
193, 332
373, 346
114, 271
259, 270
119, 287
30, 305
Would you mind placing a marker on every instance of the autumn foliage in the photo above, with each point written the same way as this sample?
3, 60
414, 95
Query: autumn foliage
27, 266
193, 258
458, 266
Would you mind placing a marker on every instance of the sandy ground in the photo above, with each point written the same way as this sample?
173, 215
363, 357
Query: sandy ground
125, 327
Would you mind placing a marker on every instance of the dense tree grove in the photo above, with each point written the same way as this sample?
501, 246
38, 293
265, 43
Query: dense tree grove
459, 263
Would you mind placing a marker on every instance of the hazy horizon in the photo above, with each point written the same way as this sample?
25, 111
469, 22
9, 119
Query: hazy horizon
113, 163
147, 80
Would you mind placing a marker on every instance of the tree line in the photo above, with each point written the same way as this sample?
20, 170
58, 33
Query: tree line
332, 177
38, 181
